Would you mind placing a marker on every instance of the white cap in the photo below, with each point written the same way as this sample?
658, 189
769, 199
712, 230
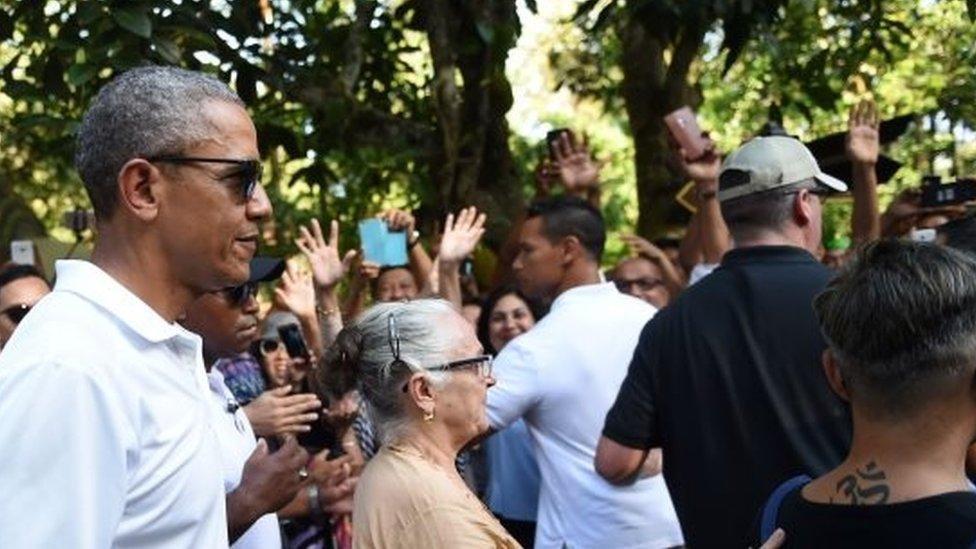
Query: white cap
768, 163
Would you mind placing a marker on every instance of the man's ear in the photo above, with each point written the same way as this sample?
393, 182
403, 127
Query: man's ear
571, 249
802, 210
139, 185
834, 378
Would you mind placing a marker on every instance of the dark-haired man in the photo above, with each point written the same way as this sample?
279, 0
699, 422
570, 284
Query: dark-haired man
901, 328
726, 379
562, 377
111, 390
21, 287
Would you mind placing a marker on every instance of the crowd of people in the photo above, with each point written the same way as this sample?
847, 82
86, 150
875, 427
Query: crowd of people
736, 387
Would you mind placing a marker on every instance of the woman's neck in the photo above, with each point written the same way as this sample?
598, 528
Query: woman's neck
431, 441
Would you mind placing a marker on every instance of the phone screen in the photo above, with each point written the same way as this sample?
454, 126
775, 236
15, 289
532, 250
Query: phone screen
291, 336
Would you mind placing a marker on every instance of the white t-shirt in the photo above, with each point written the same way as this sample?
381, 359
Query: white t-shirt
563, 375
105, 425
237, 443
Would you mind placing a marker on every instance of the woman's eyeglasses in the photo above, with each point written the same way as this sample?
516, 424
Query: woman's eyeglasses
483, 363
16, 313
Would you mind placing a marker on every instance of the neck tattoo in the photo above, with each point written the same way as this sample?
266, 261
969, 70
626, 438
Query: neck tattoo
864, 487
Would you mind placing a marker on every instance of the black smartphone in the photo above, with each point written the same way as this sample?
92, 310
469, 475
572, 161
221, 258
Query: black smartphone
291, 336
935, 193
552, 136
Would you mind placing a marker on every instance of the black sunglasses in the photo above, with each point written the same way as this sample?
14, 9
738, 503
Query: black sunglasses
16, 313
238, 295
249, 174
268, 346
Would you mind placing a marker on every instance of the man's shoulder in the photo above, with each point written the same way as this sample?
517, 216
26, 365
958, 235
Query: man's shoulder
63, 328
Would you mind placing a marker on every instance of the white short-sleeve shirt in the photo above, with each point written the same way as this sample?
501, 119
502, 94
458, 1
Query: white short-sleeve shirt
562, 377
105, 426
237, 443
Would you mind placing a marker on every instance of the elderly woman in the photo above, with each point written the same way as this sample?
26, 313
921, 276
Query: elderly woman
424, 377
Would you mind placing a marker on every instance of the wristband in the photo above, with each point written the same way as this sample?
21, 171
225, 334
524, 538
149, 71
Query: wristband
414, 240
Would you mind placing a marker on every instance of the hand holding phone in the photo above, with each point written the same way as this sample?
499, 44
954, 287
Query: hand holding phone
291, 336
684, 127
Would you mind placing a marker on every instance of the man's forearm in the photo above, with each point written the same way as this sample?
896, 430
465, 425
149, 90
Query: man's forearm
865, 220
420, 263
449, 276
714, 235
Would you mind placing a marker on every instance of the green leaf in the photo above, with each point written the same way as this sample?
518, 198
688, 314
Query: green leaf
532, 5
78, 74
134, 20
971, 9
168, 50
485, 31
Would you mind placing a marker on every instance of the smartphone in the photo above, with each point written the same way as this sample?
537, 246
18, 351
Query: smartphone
22, 252
684, 127
553, 136
291, 336
382, 246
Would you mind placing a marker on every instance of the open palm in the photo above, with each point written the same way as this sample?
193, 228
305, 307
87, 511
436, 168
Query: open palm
461, 235
323, 258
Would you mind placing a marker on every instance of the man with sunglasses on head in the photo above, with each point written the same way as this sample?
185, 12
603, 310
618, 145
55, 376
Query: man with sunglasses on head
726, 379
110, 391
21, 287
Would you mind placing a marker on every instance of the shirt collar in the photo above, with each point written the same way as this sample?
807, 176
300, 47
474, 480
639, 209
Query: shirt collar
583, 292
91, 283
767, 254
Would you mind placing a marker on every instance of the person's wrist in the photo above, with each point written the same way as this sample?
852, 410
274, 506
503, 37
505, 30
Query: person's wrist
313, 494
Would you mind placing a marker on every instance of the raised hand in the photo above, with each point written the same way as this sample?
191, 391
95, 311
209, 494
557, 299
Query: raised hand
642, 247
275, 412
399, 220
461, 235
703, 170
296, 292
863, 144
573, 165
323, 256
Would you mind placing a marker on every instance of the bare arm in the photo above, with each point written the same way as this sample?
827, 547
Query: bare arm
461, 235
327, 271
621, 465
862, 150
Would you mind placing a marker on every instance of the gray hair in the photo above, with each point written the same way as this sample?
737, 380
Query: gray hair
143, 112
425, 341
748, 216
901, 322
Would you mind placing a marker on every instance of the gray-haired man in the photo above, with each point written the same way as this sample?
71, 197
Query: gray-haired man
104, 399
726, 379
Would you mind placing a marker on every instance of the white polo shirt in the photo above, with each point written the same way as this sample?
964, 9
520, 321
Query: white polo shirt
237, 443
563, 376
105, 431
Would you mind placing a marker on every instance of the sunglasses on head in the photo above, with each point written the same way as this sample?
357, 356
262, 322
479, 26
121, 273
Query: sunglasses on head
248, 175
238, 295
16, 313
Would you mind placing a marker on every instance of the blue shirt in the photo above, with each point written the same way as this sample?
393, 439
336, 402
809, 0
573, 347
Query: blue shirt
513, 474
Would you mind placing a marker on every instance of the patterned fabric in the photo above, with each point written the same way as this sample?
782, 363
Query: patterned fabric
243, 376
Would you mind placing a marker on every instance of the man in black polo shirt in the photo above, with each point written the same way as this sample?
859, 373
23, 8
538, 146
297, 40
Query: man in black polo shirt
727, 379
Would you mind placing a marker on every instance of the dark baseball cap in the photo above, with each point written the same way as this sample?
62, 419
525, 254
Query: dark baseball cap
266, 269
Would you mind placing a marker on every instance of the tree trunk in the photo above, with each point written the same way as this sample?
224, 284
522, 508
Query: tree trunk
472, 163
651, 89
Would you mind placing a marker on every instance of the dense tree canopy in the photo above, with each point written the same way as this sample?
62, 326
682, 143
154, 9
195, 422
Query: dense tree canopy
366, 104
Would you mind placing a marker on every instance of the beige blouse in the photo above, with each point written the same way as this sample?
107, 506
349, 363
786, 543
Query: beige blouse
405, 501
